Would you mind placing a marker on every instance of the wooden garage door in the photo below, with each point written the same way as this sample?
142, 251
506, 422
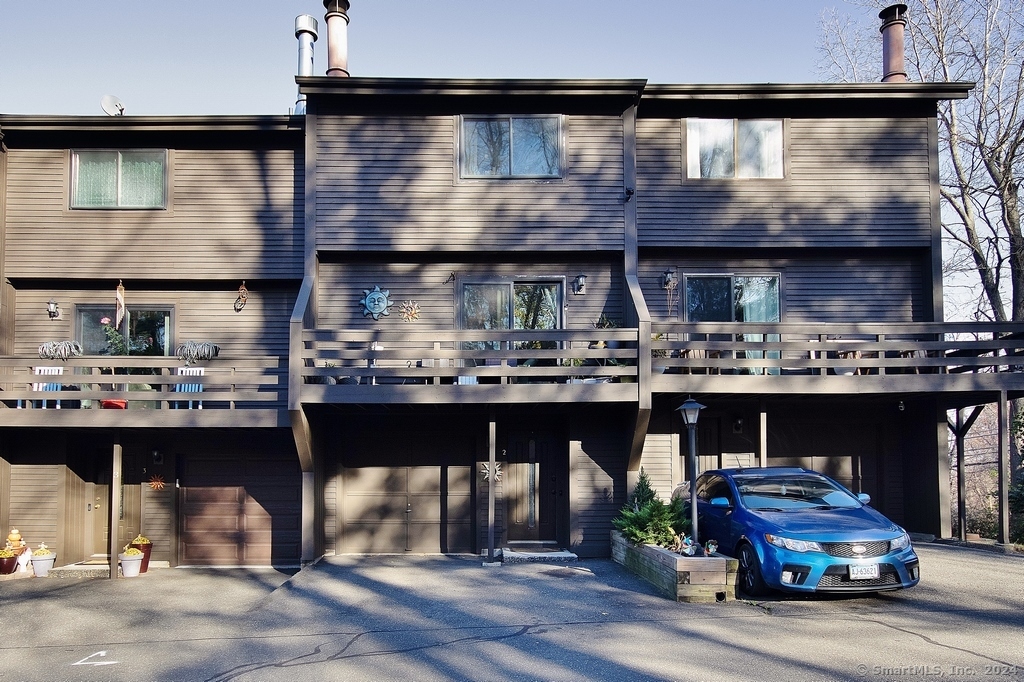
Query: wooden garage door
240, 510
406, 509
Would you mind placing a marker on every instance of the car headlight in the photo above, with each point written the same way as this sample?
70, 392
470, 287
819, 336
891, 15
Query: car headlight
902, 542
793, 545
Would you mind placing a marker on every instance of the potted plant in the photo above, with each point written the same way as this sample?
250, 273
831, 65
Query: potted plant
143, 544
42, 560
131, 561
8, 560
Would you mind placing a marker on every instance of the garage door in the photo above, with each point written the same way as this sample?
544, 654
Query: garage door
424, 509
240, 510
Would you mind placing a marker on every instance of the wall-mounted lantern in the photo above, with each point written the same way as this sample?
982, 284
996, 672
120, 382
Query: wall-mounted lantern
579, 285
52, 309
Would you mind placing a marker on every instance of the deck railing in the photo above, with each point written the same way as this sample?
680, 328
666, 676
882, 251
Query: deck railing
140, 382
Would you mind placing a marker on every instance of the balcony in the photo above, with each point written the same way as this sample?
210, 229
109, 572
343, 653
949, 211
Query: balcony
616, 365
141, 391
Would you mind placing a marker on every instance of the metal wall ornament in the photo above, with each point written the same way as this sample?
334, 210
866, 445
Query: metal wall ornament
486, 471
409, 311
376, 302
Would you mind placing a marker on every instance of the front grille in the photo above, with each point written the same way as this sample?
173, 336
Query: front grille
845, 549
838, 577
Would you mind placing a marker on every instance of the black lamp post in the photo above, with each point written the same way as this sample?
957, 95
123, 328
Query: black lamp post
691, 411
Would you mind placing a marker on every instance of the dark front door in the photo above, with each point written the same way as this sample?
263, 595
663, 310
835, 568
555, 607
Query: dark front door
536, 481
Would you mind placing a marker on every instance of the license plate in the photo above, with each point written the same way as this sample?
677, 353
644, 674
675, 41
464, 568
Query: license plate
866, 572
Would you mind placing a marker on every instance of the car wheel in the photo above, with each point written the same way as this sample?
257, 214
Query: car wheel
750, 580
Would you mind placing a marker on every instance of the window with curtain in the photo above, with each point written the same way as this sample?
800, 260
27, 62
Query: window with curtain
733, 148
736, 298
118, 179
511, 147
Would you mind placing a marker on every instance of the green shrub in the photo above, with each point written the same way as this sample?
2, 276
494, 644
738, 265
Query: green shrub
650, 524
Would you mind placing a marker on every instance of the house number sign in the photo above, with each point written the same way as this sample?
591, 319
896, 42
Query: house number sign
376, 302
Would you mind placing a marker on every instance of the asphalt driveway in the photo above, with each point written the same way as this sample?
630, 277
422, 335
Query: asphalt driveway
443, 618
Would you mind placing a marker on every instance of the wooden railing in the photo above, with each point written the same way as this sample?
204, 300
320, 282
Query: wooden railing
140, 382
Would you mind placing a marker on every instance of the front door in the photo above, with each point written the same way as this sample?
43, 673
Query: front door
536, 479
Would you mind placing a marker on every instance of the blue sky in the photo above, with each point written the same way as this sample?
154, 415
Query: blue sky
216, 57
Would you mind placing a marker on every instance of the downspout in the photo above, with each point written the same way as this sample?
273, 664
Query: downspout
634, 294
303, 316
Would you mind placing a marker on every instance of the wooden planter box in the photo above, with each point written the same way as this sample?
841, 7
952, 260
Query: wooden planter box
683, 578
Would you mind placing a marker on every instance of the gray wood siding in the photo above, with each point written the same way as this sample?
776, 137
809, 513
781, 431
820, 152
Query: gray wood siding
849, 182
231, 213
599, 452
813, 290
392, 184
657, 463
260, 329
341, 286
159, 520
36, 507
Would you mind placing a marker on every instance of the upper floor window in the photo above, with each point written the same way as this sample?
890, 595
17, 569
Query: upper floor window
511, 147
732, 148
118, 179
147, 331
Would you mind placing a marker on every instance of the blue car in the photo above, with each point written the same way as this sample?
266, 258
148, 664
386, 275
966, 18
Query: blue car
797, 530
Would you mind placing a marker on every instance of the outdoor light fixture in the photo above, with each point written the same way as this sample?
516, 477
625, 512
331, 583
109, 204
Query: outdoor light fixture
243, 296
668, 280
691, 412
579, 285
52, 309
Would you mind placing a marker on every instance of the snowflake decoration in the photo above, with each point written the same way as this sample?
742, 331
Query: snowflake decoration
485, 469
409, 311
156, 482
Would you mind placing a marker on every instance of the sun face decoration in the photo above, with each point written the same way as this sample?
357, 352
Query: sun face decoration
156, 482
409, 311
376, 302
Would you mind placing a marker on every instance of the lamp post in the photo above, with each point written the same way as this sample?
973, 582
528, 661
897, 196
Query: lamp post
691, 411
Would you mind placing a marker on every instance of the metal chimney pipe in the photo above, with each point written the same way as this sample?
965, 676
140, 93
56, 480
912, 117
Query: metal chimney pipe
894, 20
337, 37
305, 32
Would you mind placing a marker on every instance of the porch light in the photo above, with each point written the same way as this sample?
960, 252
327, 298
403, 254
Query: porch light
52, 309
579, 285
691, 412
668, 280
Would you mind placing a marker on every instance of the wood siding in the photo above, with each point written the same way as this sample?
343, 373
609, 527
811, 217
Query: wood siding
392, 184
231, 214
849, 182
599, 454
814, 289
341, 286
36, 503
260, 329
658, 462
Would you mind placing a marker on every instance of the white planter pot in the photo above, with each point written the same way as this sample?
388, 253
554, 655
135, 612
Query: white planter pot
41, 565
130, 565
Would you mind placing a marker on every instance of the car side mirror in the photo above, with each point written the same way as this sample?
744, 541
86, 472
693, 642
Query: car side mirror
720, 502
864, 498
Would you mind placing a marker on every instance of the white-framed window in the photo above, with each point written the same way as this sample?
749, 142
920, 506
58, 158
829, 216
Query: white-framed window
511, 147
148, 330
734, 148
735, 298
105, 178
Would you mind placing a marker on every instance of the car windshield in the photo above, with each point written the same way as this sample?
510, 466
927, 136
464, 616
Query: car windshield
792, 492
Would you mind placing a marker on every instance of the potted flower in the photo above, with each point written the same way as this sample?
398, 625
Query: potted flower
42, 560
142, 544
8, 560
131, 561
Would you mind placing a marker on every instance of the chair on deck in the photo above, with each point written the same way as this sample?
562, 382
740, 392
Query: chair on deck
189, 388
46, 386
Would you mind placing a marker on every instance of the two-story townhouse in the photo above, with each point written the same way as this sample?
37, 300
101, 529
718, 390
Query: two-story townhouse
470, 311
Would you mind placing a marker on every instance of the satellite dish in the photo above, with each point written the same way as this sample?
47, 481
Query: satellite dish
112, 106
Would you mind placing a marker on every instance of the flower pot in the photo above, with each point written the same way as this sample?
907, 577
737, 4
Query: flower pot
8, 564
114, 404
41, 565
130, 565
146, 548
